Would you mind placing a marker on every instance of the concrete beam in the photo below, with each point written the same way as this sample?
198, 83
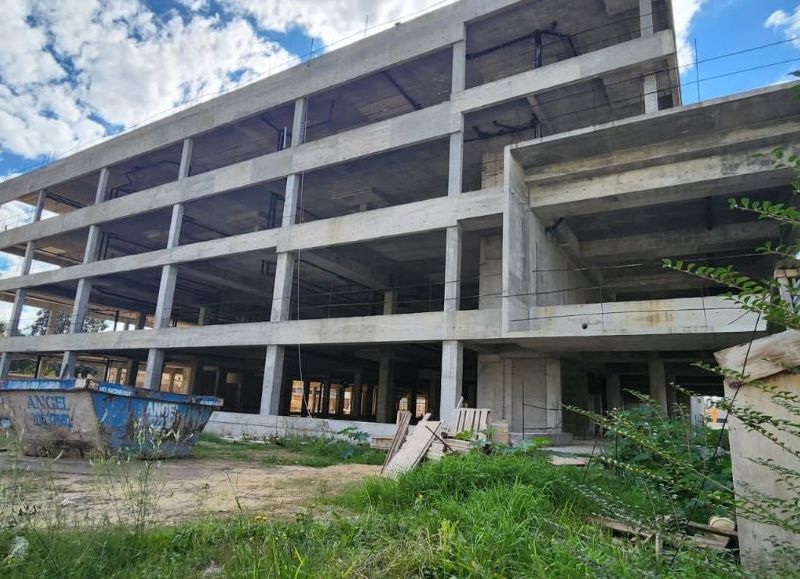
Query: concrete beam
682, 180
650, 317
413, 128
397, 221
680, 242
577, 69
670, 323
348, 269
401, 328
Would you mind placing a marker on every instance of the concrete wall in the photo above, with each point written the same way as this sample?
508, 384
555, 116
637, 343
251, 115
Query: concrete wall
758, 540
490, 283
554, 280
237, 425
525, 390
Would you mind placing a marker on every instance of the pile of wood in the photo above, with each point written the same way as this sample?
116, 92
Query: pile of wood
712, 536
431, 439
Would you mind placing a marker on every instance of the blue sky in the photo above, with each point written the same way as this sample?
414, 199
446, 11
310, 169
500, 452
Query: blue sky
82, 69
727, 26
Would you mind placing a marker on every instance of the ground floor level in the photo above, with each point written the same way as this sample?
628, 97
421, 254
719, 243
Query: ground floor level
307, 389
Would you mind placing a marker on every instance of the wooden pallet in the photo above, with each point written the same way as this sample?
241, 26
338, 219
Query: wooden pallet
403, 420
475, 420
439, 448
414, 448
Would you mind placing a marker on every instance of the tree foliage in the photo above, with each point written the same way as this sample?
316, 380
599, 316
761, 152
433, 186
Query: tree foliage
39, 325
680, 462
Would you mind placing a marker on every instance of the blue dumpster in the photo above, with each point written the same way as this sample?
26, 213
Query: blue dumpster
51, 416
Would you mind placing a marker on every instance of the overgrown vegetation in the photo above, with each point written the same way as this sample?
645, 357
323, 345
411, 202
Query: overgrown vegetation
291, 450
511, 515
687, 466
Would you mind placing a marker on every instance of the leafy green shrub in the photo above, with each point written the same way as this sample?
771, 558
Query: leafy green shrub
680, 462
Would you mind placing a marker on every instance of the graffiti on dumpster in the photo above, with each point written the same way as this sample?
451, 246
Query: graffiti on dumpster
161, 415
49, 410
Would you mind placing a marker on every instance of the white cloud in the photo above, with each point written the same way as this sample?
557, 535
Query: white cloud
787, 23
684, 12
336, 22
75, 63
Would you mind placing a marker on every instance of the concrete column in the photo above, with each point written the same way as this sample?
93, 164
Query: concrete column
39, 208
141, 320
386, 395
284, 271
16, 312
459, 76
202, 316
154, 369
5, 364
452, 374
457, 139
647, 29
273, 377
389, 302
672, 393
194, 377
452, 269
650, 93
299, 121
21, 294
282, 290
326, 398
646, 17
658, 383
455, 179
186, 159
51, 321
553, 389
169, 277
613, 391
340, 400
85, 284
435, 391
355, 400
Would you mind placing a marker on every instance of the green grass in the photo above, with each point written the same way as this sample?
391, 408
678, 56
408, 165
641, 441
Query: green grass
296, 450
473, 516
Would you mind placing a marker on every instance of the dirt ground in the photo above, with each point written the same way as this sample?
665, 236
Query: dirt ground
81, 492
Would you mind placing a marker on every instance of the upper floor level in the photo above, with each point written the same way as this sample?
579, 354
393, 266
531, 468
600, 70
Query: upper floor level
496, 71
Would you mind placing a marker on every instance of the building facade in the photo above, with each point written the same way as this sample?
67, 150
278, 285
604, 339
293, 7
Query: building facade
471, 204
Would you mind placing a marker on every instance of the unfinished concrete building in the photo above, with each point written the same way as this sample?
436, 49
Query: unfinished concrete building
473, 203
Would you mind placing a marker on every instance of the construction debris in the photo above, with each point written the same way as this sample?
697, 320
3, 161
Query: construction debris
714, 537
432, 439
413, 449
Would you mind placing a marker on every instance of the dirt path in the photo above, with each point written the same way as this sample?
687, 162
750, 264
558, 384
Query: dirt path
82, 493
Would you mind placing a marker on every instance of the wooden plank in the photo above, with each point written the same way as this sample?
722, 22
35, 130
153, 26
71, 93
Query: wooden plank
712, 530
766, 357
475, 420
403, 420
414, 448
